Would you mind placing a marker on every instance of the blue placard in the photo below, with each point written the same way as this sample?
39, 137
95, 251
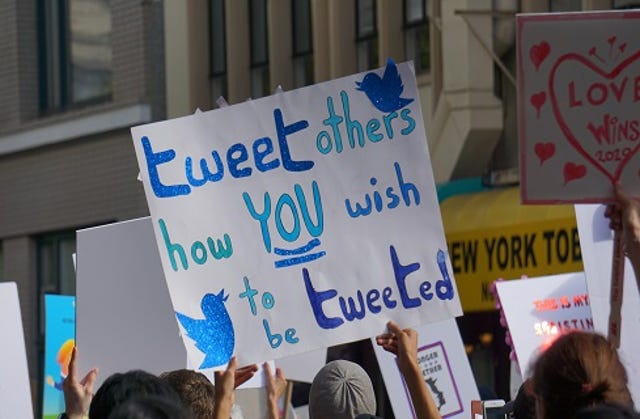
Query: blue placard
60, 328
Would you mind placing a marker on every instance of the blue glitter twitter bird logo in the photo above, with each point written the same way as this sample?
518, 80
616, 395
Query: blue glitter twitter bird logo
384, 93
213, 335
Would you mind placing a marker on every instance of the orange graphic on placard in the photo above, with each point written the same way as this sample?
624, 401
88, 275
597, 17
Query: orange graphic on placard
63, 358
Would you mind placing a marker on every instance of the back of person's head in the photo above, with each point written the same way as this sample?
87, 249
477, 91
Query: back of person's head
607, 411
341, 390
150, 407
578, 370
523, 406
194, 389
120, 387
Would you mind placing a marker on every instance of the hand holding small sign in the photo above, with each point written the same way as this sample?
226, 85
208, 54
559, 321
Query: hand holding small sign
404, 344
78, 394
624, 217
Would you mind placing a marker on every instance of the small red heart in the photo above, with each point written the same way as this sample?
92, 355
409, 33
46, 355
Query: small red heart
573, 171
539, 52
592, 51
538, 100
622, 47
611, 40
544, 151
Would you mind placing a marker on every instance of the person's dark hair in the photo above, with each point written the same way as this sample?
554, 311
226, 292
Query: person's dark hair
120, 387
150, 407
578, 370
195, 390
607, 411
524, 404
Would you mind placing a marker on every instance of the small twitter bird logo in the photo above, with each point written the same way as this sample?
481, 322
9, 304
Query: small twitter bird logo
213, 335
384, 93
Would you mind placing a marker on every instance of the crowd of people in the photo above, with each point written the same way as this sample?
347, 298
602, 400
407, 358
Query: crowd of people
579, 376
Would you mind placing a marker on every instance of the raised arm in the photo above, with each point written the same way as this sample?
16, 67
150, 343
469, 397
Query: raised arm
276, 386
225, 386
78, 394
403, 343
624, 217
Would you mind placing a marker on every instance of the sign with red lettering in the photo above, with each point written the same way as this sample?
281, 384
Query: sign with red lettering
538, 310
578, 105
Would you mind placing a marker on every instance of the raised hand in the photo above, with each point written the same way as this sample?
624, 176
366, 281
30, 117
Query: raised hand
403, 343
244, 374
624, 216
225, 386
276, 386
78, 394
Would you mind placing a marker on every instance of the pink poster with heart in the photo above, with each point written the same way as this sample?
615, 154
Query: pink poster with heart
578, 105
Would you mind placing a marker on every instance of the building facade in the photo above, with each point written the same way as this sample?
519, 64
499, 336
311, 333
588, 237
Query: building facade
74, 76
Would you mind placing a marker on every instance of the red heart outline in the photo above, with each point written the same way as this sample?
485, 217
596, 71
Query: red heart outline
563, 125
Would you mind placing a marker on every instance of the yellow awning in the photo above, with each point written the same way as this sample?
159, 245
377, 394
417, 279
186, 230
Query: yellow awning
490, 235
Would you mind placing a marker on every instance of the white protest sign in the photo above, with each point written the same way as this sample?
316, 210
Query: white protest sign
596, 242
303, 367
15, 391
578, 105
445, 368
124, 319
300, 220
538, 310
124, 308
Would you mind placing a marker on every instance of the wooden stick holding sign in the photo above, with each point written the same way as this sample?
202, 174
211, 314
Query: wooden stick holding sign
617, 287
286, 405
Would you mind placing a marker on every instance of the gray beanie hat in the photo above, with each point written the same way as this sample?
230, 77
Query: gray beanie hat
341, 390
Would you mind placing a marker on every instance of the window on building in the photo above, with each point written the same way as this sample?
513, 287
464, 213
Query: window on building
366, 35
416, 34
55, 271
259, 48
56, 274
565, 5
218, 64
74, 52
302, 43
